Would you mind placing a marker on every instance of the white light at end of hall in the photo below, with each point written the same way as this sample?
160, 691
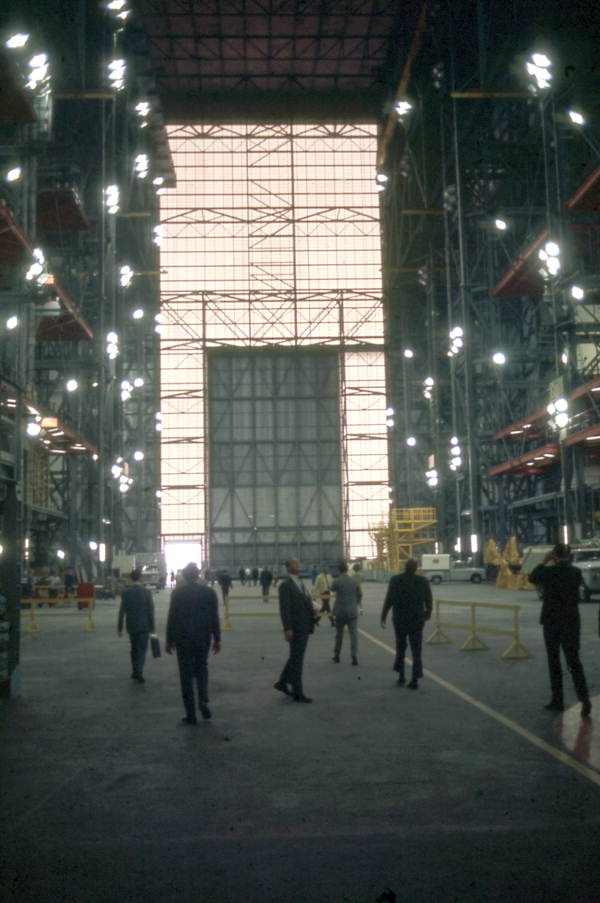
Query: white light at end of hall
411, 441
71, 385
12, 322
16, 41
14, 174
576, 117
577, 293
499, 358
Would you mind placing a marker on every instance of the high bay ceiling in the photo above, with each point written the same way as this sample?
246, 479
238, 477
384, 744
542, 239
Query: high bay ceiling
276, 59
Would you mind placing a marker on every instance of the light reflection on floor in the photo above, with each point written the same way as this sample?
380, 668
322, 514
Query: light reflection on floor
581, 736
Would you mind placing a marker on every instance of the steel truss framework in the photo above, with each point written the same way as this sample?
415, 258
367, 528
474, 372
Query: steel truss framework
272, 242
500, 152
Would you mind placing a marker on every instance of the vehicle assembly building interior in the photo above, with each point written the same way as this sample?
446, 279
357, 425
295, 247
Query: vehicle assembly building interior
298, 279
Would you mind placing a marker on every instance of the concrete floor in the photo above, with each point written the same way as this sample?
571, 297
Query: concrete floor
466, 790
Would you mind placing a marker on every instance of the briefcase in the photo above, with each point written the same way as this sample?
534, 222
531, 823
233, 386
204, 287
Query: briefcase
155, 645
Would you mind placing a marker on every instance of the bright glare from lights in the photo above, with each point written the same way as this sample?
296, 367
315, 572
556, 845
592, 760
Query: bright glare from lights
16, 41
33, 429
577, 292
138, 382
60, 554
561, 420
499, 357
138, 455
389, 412
408, 353
429, 382
403, 107
501, 224
561, 404
411, 441
138, 313
126, 274
14, 174
576, 117
71, 385
93, 545
12, 322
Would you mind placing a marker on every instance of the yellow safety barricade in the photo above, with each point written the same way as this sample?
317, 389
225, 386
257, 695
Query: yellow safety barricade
226, 625
85, 608
474, 642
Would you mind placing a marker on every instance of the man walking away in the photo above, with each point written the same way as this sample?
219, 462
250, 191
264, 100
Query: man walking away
297, 617
409, 597
561, 623
137, 610
266, 579
348, 595
192, 623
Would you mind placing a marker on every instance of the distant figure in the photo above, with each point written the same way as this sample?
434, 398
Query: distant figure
54, 585
242, 576
313, 574
192, 624
409, 597
254, 576
297, 617
322, 591
345, 611
561, 623
225, 582
266, 579
172, 578
69, 581
356, 573
137, 610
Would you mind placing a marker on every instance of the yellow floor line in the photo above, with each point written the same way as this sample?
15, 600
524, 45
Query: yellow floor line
557, 754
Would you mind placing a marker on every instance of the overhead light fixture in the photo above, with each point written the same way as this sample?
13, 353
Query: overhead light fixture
538, 68
138, 455
137, 314
12, 322
550, 257
408, 353
141, 165
71, 385
16, 41
33, 428
14, 174
500, 224
116, 74
411, 441
111, 198
126, 275
576, 117
577, 293
403, 108
499, 358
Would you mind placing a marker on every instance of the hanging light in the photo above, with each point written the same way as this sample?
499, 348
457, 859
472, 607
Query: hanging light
116, 74
403, 108
500, 224
14, 174
33, 428
16, 41
126, 275
138, 455
576, 117
137, 314
408, 353
577, 292
550, 257
499, 358
71, 385
141, 165
538, 68
12, 322
411, 441
111, 198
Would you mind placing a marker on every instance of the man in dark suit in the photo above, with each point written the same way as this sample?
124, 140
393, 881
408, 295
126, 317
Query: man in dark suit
561, 623
192, 623
298, 619
409, 597
137, 610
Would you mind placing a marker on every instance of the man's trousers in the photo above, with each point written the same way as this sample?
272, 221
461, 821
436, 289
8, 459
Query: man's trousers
292, 671
193, 667
340, 622
565, 636
139, 647
415, 638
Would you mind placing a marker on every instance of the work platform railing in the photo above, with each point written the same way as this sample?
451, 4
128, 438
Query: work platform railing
56, 608
474, 627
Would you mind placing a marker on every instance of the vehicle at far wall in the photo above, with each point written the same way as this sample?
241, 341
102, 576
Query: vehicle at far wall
438, 568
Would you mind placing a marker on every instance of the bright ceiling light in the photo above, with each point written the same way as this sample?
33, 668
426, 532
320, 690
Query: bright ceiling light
16, 41
408, 353
499, 357
12, 322
577, 292
411, 441
71, 385
576, 117
402, 108
33, 429
500, 224
137, 314
14, 174
138, 455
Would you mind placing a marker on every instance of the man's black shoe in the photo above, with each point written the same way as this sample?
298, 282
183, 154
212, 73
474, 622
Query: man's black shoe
336, 659
354, 660
206, 712
400, 682
554, 706
413, 685
188, 720
282, 688
586, 709
300, 697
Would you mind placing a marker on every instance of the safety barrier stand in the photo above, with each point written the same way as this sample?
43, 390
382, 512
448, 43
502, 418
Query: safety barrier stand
474, 643
227, 625
34, 613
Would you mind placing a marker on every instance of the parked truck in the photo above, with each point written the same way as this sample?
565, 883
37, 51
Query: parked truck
440, 567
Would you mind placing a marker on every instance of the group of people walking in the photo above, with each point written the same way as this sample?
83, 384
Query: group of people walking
193, 627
